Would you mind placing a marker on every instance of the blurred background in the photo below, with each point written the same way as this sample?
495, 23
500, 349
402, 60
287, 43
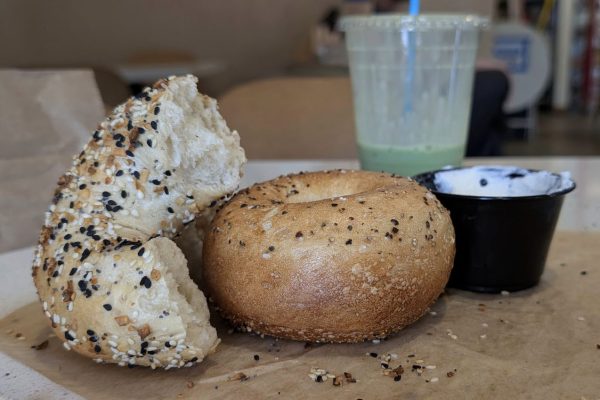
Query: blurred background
279, 67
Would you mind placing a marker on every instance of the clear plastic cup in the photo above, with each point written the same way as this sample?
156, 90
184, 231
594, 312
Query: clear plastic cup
412, 79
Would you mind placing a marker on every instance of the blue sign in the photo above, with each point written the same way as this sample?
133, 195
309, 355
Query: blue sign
514, 51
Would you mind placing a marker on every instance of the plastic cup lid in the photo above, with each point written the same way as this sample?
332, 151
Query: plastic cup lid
422, 22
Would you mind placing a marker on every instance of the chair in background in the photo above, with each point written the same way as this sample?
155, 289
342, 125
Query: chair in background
313, 117
293, 117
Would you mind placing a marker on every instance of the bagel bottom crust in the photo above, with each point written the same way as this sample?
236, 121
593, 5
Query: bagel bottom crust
336, 256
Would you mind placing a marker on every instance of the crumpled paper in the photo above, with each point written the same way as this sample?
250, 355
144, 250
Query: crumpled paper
540, 343
45, 119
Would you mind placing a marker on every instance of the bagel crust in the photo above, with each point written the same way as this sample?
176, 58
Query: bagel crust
112, 283
332, 256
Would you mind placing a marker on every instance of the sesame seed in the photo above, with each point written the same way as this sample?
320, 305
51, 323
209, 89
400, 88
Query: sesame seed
107, 307
169, 209
146, 282
154, 125
156, 110
149, 142
141, 252
82, 186
85, 254
123, 194
129, 153
155, 182
271, 248
166, 190
349, 241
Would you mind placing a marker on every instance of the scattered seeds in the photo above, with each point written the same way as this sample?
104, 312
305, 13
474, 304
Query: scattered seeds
238, 376
40, 346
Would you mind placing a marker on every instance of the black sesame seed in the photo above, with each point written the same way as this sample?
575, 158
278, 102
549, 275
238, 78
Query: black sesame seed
483, 182
82, 186
397, 378
334, 205
68, 236
73, 271
154, 125
119, 172
374, 355
85, 254
394, 229
394, 221
146, 282
117, 208
119, 144
66, 247
166, 190
256, 357
349, 241
155, 181
271, 248
299, 234
149, 142
82, 285
97, 349
141, 252
105, 242
194, 359
111, 202
107, 307
90, 332
319, 379
105, 194
96, 237
168, 173
72, 204
123, 194
349, 227
68, 336
82, 229
156, 110
169, 209
129, 153
141, 131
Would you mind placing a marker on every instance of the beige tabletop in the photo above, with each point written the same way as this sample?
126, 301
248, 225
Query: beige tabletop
538, 343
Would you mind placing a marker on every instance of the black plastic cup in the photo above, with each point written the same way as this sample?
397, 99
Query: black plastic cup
501, 242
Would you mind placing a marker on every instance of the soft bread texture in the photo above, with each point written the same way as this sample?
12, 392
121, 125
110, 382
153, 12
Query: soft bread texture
339, 256
113, 284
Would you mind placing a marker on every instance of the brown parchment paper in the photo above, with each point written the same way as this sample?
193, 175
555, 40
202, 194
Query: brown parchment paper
45, 118
540, 343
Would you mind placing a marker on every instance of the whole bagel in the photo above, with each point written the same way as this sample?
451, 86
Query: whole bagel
113, 284
333, 256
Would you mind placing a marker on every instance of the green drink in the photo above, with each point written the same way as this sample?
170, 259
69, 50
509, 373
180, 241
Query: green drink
412, 79
406, 160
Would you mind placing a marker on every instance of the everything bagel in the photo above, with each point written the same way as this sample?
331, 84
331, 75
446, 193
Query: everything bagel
113, 285
334, 256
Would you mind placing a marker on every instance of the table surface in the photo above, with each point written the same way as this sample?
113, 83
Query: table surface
581, 212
